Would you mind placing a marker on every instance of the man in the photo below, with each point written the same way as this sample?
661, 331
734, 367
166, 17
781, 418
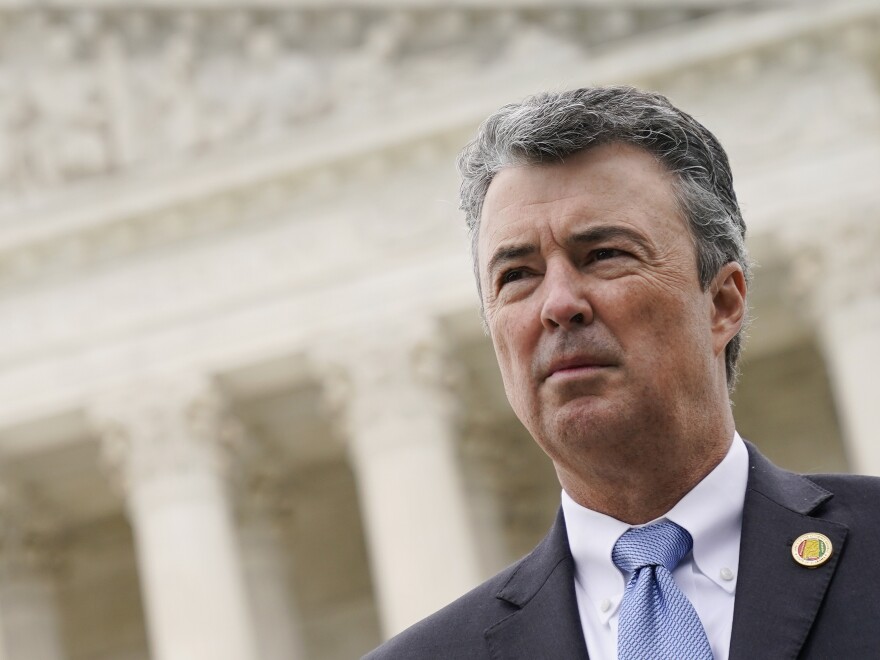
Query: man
609, 252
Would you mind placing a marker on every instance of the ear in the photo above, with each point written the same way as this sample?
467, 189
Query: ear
728, 304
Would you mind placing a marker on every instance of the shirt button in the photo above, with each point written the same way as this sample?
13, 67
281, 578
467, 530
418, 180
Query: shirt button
605, 605
726, 574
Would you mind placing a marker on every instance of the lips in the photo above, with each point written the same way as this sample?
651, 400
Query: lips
575, 364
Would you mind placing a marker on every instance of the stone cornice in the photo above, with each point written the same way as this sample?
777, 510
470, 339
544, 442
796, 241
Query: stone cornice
381, 5
136, 212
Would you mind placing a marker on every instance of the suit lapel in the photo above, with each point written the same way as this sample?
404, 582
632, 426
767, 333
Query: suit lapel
545, 623
776, 598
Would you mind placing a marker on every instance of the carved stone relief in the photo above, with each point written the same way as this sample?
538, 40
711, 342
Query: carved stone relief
90, 92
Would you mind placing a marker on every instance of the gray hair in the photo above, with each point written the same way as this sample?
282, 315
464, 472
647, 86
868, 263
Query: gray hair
548, 127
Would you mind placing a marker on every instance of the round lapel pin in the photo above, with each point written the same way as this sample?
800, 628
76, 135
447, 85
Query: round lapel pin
811, 549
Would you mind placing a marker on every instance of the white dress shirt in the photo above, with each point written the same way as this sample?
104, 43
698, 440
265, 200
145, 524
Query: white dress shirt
711, 512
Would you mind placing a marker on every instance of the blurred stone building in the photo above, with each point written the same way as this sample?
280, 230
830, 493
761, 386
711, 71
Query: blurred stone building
246, 407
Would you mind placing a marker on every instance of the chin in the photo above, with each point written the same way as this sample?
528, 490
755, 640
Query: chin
586, 422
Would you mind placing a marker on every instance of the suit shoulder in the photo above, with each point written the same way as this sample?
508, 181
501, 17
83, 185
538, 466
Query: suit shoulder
852, 494
847, 484
456, 631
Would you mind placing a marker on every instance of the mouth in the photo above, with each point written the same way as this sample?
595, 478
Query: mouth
575, 368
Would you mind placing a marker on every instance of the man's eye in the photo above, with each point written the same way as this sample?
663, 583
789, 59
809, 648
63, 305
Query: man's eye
606, 253
512, 276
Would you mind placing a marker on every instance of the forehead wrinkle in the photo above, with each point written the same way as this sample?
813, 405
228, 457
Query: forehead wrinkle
578, 196
490, 229
500, 186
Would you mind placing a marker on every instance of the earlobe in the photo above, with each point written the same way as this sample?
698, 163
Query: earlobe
729, 291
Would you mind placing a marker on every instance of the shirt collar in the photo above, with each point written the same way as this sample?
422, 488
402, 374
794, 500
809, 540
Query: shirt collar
591, 538
711, 512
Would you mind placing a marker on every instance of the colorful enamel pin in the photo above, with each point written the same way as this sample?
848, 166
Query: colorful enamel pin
811, 549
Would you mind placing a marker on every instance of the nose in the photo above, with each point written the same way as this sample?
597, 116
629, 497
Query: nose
565, 304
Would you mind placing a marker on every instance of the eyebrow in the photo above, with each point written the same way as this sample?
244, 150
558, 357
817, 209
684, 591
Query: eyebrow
586, 237
605, 232
512, 253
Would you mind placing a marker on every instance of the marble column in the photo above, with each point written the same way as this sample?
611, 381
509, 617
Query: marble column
29, 621
485, 454
391, 390
266, 562
170, 443
841, 272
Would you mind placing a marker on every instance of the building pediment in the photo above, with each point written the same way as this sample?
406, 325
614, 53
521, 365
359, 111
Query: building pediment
132, 129
94, 89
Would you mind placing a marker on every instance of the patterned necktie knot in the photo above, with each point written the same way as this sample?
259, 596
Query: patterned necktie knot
660, 544
656, 620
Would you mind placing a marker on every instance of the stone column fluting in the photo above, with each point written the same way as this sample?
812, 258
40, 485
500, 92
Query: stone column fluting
261, 504
30, 626
486, 455
169, 443
391, 391
838, 274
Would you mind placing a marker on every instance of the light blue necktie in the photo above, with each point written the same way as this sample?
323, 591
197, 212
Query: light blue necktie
656, 620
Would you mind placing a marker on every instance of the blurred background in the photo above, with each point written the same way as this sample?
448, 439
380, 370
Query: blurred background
246, 406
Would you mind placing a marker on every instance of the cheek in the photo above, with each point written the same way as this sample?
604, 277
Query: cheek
677, 332
635, 314
514, 356
657, 319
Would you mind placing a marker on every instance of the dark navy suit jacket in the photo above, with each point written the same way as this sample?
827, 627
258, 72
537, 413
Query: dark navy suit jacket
782, 610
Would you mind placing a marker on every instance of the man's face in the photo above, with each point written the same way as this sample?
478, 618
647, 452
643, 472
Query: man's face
591, 295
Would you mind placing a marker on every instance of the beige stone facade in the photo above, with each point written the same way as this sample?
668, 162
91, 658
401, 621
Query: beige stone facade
247, 410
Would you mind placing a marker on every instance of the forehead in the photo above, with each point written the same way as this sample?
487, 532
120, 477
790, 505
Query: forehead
611, 183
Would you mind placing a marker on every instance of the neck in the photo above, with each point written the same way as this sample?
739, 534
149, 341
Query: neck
642, 480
